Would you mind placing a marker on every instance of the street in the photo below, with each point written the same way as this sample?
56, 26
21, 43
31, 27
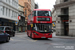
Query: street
22, 42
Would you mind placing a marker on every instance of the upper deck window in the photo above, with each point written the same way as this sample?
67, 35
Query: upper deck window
35, 13
42, 13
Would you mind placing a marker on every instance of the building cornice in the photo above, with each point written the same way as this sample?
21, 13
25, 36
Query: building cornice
28, 3
63, 4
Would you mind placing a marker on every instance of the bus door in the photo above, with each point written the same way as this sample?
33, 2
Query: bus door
29, 29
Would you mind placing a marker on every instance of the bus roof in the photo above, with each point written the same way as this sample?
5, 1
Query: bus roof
41, 10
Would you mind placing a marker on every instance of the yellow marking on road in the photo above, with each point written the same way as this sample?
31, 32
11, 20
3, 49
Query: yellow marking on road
21, 37
16, 40
11, 39
32, 40
28, 39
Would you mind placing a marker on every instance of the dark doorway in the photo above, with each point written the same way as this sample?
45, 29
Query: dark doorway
66, 28
65, 18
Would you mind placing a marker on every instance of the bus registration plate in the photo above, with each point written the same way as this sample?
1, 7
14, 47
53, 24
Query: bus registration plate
43, 37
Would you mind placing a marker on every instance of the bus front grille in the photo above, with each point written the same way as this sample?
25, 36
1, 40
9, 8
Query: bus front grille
43, 27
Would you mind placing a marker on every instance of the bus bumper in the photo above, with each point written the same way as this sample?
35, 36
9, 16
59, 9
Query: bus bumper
42, 36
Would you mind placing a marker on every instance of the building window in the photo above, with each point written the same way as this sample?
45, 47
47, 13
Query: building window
12, 14
6, 11
6, 0
25, 5
9, 1
9, 12
65, 11
14, 3
3, 10
25, 12
28, 0
16, 15
65, 0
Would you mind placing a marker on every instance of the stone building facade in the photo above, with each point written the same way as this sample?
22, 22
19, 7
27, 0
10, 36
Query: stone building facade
8, 13
28, 7
32, 5
27, 10
65, 21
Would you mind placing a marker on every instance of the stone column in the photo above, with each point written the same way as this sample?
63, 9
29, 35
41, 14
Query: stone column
59, 26
72, 20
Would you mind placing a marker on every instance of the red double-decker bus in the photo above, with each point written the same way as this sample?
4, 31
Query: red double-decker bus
39, 24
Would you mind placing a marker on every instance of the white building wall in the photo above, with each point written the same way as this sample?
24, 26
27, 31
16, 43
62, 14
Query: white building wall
6, 9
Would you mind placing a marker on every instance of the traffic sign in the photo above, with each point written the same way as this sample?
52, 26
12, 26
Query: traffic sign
16, 23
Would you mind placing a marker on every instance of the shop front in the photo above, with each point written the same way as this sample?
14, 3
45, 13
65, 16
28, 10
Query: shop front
21, 24
7, 22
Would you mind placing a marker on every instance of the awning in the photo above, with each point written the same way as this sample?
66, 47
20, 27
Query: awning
63, 15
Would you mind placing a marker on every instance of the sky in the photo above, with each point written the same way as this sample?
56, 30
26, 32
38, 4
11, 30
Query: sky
45, 4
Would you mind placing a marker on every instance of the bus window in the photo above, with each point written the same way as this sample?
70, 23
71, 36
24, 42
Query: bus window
34, 12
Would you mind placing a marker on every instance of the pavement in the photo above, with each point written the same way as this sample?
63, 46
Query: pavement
54, 36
